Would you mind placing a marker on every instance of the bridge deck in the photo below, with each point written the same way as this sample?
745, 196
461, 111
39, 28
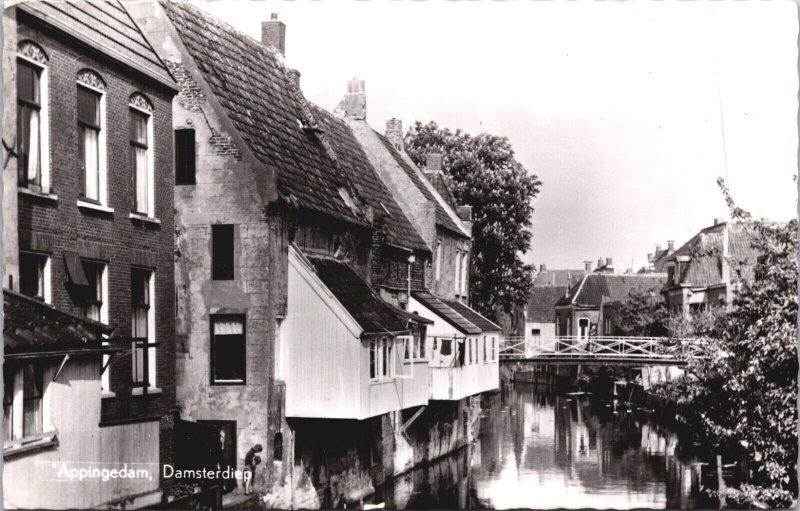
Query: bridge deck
623, 351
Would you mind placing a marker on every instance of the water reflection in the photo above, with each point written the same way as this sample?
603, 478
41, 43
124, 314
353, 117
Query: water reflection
540, 450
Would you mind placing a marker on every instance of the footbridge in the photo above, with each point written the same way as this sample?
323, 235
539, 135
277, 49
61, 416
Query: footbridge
622, 351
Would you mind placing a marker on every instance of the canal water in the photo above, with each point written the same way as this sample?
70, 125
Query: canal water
540, 449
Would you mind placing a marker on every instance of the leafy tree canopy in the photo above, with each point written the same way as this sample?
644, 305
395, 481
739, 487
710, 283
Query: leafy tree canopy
743, 395
483, 173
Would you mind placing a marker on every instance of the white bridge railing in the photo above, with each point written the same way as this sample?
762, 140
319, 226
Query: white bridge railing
632, 348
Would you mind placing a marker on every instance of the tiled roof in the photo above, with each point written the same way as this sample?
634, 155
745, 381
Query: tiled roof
561, 278
542, 302
438, 181
372, 314
597, 287
371, 189
267, 109
31, 326
443, 219
446, 312
705, 251
473, 316
108, 27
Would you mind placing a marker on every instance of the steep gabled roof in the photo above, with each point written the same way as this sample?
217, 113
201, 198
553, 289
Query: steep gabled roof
560, 278
542, 303
438, 181
443, 219
31, 326
446, 312
373, 314
704, 250
598, 287
267, 109
106, 26
473, 316
353, 160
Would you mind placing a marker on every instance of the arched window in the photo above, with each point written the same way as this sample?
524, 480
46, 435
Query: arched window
142, 162
277, 447
33, 148
92, 139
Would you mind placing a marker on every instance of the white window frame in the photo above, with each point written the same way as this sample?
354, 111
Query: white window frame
458, 271
405, 350
383, 363
151, 203
46, 276
438, 272
280, 350
44, 123
102, 164
17, 409
464, 274
152, 386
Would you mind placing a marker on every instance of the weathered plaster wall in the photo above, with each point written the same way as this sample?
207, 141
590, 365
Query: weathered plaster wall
10, 248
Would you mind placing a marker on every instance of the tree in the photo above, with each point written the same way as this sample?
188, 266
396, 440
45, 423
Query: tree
743, 394
644, 315
483, 173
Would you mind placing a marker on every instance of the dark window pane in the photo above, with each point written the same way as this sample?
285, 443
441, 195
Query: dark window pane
222, 252
229, 353
184, 157
88, 107
31, 275
27, 82
8, 399
138, 128
140, 287
32, 390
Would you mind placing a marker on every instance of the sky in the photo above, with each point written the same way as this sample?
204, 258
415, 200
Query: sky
627, 112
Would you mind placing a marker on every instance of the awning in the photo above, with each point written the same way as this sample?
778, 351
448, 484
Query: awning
446, 312
34, 328
75, 269
473, 316
365, 306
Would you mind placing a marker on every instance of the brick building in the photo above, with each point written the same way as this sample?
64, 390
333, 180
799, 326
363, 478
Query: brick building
709, 270
94, 206
579, 313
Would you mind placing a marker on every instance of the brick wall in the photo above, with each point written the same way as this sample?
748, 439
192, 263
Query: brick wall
55, 226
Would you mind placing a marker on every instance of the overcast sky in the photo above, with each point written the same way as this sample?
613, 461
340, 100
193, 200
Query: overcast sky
625, 111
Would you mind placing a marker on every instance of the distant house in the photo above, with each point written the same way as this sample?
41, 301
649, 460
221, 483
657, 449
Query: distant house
549, 286
579, 313
710, 269
560, 278
656, 260
540, 315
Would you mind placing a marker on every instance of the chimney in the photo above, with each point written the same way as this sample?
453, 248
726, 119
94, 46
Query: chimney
542, 267
599, 262
658, 248
434, 162
354, 104
670, 246
465, 213
587, 266
718, 221
649, 257
273, 33
295, 75
609, 262
394, 132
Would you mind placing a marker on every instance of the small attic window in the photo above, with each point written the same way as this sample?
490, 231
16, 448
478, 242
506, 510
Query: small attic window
386, 209
348, 200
